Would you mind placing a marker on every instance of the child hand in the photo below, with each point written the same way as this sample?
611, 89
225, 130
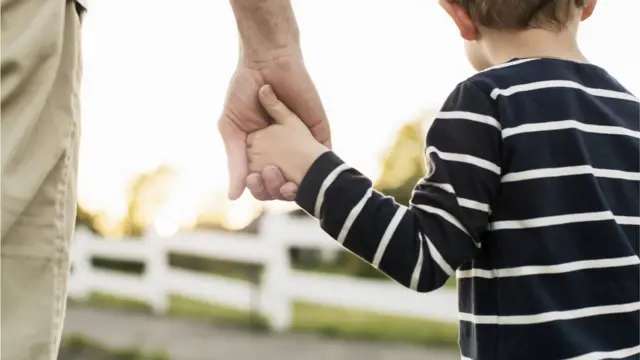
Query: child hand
287, 144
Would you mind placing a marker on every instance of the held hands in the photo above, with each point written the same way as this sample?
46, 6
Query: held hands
243, 114
287, 144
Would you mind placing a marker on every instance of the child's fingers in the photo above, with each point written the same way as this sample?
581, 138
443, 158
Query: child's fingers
278, 110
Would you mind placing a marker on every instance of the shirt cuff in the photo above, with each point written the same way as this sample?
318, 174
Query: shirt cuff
314, 178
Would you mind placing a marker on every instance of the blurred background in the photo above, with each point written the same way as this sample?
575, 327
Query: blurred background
165, 267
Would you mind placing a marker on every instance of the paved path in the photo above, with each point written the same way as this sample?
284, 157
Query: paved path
185, 339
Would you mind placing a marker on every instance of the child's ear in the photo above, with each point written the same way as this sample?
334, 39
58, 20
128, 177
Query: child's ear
587, 10
466, 26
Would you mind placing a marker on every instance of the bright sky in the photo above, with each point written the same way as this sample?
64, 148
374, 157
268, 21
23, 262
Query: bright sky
156, 72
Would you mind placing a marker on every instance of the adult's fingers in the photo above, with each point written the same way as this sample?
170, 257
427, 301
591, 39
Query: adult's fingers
278, 111
235, 144
257, 188
273, 181
289, 191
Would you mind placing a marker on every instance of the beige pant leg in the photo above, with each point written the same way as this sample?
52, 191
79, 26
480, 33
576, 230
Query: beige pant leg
41, 71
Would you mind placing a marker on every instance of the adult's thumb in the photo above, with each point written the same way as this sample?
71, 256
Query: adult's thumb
278, 111
235, 144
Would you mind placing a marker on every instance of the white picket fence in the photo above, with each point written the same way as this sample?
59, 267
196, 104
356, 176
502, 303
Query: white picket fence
280, 285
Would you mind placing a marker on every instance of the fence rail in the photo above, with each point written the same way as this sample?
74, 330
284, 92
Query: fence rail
279, 287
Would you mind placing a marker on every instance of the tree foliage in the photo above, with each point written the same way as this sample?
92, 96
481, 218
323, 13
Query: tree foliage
87, 219
403, 163
402, 167
147, 193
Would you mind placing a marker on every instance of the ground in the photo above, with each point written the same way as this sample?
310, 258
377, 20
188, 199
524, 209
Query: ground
193, 339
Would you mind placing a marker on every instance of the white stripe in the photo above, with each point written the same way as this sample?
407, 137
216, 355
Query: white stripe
628, 220
570, 171
472, 204
468, 203
437, 257
550, 316
325, 185
562, 84
564, 219
604, 355
353, 215
549, 269
569, 124
469, 159
388, 234
511, 63
465, 115
443, 214
465, 358
446, 187
417, 270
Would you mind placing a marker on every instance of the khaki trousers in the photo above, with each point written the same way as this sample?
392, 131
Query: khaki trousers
41, 70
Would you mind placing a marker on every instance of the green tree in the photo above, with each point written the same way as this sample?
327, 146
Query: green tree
402, 167
147, 192
403, 163
87, 219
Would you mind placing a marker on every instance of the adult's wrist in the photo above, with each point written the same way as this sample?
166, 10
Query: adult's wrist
268, 29
267, 57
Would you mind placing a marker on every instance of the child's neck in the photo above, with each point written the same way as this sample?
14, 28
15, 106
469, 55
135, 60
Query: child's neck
504, 46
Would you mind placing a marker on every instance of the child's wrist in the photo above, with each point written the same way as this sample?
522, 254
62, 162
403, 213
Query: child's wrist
304, 161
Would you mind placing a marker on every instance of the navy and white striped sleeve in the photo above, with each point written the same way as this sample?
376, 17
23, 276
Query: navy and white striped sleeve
422, 245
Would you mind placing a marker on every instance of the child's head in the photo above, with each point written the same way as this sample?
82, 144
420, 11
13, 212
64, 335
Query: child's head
491, 25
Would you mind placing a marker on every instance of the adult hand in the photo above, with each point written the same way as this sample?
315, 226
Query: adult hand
243, 114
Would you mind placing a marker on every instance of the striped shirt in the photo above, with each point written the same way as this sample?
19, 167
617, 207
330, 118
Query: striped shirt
533, 198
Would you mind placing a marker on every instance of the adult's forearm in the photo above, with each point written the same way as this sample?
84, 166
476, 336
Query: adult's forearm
267, 28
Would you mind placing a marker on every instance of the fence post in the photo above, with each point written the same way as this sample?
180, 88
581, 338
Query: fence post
274, 297
80, 277
156, 272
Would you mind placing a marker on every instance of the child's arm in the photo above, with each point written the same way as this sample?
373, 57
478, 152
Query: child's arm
419, 246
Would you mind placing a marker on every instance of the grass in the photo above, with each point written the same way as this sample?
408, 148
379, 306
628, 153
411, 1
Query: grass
78, 347
346, 323
311, 318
